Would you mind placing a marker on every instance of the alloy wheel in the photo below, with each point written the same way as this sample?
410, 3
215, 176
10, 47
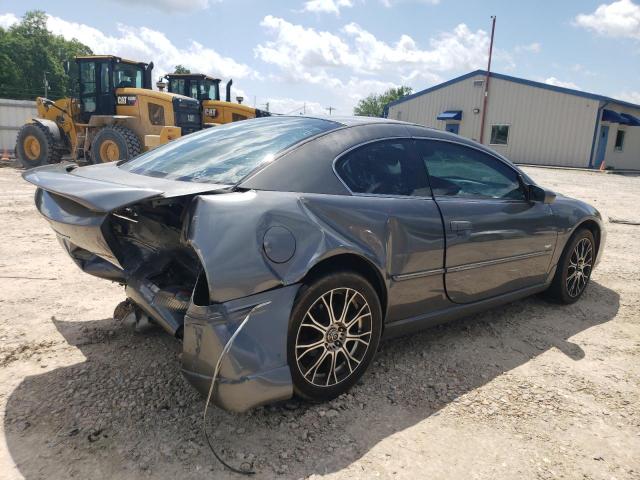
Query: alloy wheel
579, 268
334, 337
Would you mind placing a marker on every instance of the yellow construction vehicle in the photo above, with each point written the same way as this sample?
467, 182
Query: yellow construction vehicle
115, 117
206, 89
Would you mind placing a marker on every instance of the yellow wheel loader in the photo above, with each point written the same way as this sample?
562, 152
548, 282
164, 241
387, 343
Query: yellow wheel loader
115, 117
206, 89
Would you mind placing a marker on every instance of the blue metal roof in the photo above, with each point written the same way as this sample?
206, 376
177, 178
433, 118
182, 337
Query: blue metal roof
531, 83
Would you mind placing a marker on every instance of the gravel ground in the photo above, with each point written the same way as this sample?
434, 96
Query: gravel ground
529, 390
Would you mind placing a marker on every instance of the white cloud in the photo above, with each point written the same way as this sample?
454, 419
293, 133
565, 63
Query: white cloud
171, 6
618, 19
8, 19
309, 55
327, 6
534, 47
391, 3
559, 83
145, 44
633, 97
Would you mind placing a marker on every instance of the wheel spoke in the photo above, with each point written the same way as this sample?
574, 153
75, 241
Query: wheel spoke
309, 348
333, 337
316, 365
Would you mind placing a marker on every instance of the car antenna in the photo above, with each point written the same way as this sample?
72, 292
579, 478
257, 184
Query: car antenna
226, 348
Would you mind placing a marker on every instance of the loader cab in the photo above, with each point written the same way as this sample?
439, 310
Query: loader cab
194, 85
100, 76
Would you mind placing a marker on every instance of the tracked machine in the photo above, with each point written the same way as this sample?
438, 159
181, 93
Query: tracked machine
206, 90
115, 116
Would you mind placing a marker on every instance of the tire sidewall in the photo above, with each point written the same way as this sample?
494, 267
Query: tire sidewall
112, 134
564, 263
45, 145
307, 296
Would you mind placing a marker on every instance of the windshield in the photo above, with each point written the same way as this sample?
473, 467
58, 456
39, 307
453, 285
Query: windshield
127, 75
227, 153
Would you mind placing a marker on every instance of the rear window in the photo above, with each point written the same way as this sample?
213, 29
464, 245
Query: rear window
227, 153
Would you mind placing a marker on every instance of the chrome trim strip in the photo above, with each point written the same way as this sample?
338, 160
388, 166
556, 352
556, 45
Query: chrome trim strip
470, 266
420, 274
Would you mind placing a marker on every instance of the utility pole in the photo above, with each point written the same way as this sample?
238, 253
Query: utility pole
331, 109
485, 100
304, 108
46, 85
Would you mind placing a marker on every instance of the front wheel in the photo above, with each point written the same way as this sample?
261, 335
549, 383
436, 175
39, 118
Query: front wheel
334, 333
114, 143
574, 268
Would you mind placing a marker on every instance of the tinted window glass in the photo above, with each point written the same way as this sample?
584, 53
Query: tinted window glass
227, 153
127, 75
384, 168
456, 170
499, 134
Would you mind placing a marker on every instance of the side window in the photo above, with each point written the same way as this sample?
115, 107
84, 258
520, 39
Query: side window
104, 77
235, 117
456, 170
88, 86
156, 114
387, 167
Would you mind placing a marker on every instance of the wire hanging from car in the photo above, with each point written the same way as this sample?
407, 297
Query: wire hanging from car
226, 348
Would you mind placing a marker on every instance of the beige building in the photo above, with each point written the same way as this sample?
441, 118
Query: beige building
531, 122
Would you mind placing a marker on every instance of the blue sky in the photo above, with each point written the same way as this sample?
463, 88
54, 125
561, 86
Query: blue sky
333, 52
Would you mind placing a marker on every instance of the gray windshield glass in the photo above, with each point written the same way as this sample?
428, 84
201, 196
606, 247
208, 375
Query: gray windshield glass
226, 154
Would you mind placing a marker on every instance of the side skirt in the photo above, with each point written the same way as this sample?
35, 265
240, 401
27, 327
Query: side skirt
421, 322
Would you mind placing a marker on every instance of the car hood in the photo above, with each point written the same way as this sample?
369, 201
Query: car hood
105, 187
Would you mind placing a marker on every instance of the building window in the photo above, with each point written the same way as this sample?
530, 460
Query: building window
478, 83
499, 134
619, 141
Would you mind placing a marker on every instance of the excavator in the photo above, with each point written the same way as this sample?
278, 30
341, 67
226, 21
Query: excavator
116, 115
206, 90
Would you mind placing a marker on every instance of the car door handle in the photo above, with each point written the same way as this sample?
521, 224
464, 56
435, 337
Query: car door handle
460, 225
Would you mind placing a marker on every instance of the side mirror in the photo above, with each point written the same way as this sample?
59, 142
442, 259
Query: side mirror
539, 194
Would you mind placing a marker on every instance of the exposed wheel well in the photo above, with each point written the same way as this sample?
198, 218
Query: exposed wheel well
355, 263
592, 226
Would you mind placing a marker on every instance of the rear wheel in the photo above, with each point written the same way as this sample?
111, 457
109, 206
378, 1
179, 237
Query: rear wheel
114, 143
334, 333
574, 268
35, 146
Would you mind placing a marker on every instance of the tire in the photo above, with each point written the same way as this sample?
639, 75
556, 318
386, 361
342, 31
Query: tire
35, 146
114, 143
315, 376
573, 274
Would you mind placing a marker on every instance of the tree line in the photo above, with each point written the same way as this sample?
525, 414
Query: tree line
28, 50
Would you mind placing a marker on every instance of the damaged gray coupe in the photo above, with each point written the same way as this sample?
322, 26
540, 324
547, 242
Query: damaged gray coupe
344, 230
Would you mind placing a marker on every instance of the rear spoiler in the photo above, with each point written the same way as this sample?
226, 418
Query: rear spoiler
96, 195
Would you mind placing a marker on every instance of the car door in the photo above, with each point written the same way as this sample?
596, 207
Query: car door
394, 180
497, 241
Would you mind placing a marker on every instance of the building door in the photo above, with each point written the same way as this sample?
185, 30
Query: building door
452, 127
602, 145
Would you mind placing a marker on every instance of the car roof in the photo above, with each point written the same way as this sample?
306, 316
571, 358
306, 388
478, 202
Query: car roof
307, 166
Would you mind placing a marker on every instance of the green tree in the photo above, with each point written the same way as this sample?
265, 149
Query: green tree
181, 69
28, 50
373, 105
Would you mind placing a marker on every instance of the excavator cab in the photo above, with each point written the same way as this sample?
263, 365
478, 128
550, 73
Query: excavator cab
113, 115
206, 90
194, 85
100, 76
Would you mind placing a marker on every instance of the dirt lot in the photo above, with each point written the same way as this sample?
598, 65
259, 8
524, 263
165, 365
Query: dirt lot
531, 390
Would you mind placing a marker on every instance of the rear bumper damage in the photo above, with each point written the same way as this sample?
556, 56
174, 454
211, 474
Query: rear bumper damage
255, 371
